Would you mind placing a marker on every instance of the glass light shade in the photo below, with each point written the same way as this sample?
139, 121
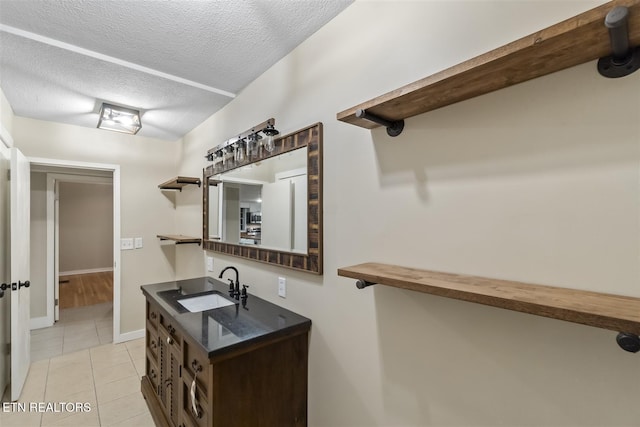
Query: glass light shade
253, 145
269, 145
119, 119
240, 153
270, 133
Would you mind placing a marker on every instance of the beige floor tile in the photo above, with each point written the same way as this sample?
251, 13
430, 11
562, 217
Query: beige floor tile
34, 385
44, 334
40, 367
114, 373
85, 398
15, 419
61, 390
135, 345
74, 379
53, 342
106, 350
79, 327
108, 392
83, 419
101, 362
75, 345
143, 420
50, 330
105, 339
69, 370
77, 358
40, 355
122, 409
140, 365
105, 330
81, 335
104, 322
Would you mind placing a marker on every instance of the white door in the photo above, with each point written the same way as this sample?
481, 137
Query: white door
19, 236
5, 308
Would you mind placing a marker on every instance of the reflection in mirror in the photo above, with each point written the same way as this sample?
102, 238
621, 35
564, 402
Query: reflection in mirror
262, 204
268, 207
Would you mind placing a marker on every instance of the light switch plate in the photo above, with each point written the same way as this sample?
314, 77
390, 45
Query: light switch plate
126, 244
209, 263
138, 242
282, 287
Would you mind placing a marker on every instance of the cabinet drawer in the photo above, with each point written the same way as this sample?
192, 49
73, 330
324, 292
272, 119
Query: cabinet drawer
153, 374
168, 324
151, 338
153, 315
189, 417
196, 364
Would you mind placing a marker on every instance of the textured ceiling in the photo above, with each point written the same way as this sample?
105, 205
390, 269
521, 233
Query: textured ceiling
178, 61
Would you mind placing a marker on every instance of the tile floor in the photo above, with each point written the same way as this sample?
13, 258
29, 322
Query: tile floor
75, 365
78, 328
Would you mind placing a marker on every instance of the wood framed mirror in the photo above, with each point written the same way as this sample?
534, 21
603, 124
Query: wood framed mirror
268, 208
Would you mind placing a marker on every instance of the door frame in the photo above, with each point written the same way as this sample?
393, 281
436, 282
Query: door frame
115, 174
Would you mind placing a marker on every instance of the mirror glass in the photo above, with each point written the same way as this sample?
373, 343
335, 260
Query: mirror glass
262, 204
267, 207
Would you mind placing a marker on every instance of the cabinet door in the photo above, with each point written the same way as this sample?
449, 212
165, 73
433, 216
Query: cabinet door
170, 373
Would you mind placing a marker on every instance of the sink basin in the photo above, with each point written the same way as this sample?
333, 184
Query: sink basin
204, 302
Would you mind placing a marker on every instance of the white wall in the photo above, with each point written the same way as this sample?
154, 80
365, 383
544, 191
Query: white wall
6, 113
86, 227
537, 182
145, 210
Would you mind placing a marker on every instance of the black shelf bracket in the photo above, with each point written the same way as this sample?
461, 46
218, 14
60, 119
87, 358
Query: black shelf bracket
624, 59
361, 284
394, 127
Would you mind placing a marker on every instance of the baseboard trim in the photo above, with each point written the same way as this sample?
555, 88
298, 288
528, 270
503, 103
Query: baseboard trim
39, 323
88, 271
128, 336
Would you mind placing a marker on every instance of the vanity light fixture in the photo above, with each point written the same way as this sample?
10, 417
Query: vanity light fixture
119, 119
250, 141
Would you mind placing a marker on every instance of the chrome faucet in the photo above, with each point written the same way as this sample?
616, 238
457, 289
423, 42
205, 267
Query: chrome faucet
236, 291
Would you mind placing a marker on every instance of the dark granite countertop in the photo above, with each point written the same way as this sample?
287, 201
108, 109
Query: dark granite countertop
224, 329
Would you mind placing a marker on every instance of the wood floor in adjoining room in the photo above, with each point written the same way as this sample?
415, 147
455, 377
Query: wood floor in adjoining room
80, 290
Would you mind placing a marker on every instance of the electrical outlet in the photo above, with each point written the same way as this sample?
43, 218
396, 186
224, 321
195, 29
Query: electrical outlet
126, 244
282, 287
138, 242
209, 263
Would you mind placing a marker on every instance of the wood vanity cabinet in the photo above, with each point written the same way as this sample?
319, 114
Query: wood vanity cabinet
260, 383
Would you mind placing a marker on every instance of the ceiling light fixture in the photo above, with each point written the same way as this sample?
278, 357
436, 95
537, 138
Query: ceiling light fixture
119, 119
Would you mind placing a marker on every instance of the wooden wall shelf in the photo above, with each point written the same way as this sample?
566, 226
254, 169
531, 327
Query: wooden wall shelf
571, 42
607, 311
179, 238
179, 182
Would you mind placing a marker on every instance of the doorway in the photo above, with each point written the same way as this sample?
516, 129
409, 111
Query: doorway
83, 230
79, 174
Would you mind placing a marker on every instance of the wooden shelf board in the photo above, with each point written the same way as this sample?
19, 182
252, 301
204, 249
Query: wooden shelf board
571, 42
607, 311
179, 238
178, 182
